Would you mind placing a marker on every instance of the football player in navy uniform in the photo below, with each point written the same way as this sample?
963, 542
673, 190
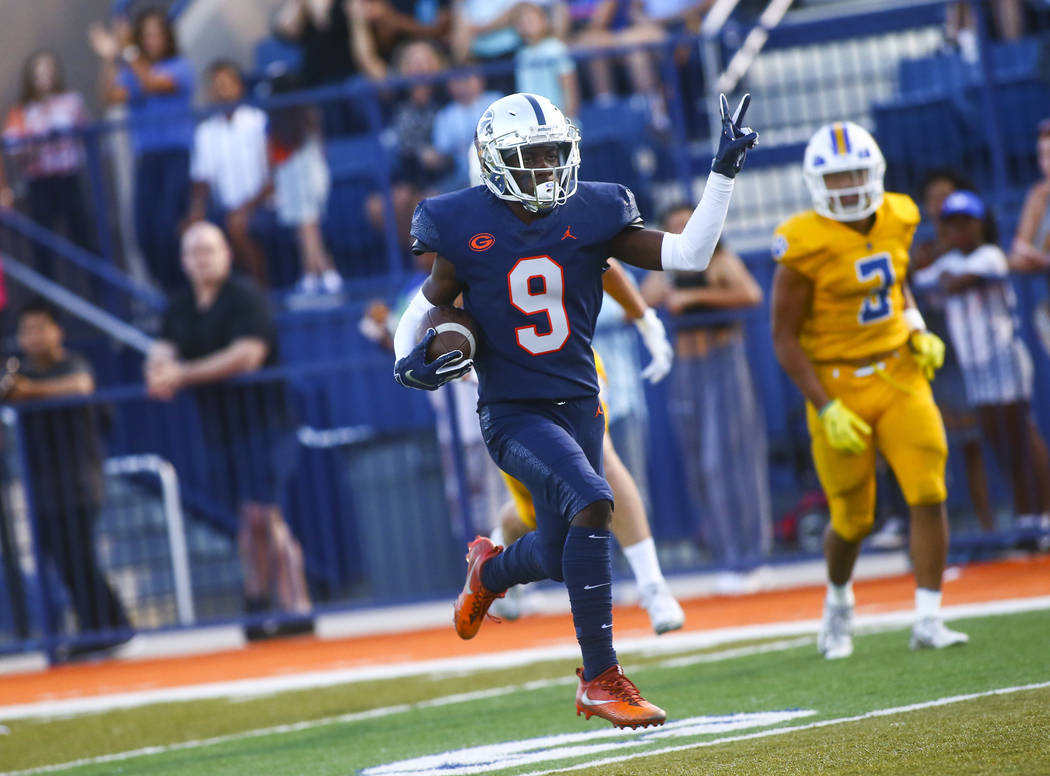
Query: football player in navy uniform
527, 251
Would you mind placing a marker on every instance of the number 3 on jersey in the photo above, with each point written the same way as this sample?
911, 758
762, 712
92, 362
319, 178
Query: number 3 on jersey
877, 305
536, 285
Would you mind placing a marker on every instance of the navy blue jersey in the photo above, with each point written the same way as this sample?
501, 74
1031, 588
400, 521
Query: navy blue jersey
534, 289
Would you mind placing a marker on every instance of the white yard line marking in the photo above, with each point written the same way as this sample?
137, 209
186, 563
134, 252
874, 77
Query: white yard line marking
532, 752
798, 728
669, 643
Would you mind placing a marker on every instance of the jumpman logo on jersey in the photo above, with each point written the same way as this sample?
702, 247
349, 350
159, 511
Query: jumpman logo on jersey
598, 411
568, 234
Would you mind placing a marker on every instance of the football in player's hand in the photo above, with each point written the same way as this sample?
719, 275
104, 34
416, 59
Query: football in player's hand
456, 330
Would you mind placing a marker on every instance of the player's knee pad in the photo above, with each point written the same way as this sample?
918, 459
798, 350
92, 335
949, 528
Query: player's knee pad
851, 528
928, 489
924, 484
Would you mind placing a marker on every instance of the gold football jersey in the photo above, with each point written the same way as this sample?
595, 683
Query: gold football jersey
857, 297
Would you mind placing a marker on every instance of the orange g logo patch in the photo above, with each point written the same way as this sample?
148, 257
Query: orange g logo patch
482, 241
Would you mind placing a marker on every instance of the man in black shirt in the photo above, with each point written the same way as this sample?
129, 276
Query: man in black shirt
65, 470
219, 328
322, 30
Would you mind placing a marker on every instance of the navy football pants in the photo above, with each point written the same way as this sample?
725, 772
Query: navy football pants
555, 450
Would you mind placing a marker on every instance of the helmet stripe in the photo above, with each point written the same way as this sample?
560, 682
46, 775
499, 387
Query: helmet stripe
536, 107
839, 139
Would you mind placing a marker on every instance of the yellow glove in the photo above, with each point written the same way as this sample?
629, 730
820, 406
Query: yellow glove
841, 425
928, 351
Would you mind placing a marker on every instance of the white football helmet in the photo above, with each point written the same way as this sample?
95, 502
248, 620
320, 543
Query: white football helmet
844, 147
512, 123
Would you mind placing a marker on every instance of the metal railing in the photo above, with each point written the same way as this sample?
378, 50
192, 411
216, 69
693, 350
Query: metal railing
169, 489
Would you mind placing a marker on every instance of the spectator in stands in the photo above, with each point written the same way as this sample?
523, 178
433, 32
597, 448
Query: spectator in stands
960, 25
997, 370
677, 15
142, 67
219, 328
301, 184
229, 168
12, 580
47, 154
322, 30
723, 434
1030, 251
454, 128
483, 30
960, 421
412, 127
413, 119
609, 24
381, 28
542, 65
64, 452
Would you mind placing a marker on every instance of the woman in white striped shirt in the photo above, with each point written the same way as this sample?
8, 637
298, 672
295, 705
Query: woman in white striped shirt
997, 368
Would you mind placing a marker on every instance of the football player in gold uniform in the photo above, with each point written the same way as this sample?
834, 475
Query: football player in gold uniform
847, 332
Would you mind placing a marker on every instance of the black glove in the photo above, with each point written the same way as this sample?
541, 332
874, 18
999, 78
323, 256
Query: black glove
413, 371
734, 140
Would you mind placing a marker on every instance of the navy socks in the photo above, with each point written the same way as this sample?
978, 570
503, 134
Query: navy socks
587, 567
586, 564
516, 565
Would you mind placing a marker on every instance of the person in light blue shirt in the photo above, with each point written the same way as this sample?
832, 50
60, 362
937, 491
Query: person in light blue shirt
483, 29
156, 84
454, 128
542, 65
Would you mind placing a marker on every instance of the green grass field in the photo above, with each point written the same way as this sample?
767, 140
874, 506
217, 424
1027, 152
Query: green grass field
763, 707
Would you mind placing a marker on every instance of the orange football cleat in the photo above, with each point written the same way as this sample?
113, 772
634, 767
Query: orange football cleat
614, 697
474, 602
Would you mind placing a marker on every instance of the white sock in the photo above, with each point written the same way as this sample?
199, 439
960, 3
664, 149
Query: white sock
927, 602
496, 536
840, 595
644, 563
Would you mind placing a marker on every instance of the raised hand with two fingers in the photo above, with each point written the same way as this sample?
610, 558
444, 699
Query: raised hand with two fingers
735, 140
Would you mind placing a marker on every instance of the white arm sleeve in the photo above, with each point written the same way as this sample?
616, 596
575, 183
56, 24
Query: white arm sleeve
405, 335
691, 250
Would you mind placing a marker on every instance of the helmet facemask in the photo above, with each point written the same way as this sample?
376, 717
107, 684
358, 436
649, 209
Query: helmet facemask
856, 200
541, 187
848, 155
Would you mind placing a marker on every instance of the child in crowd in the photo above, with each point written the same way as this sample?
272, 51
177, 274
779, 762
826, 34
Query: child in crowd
301, 183
542, 65
997, 369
